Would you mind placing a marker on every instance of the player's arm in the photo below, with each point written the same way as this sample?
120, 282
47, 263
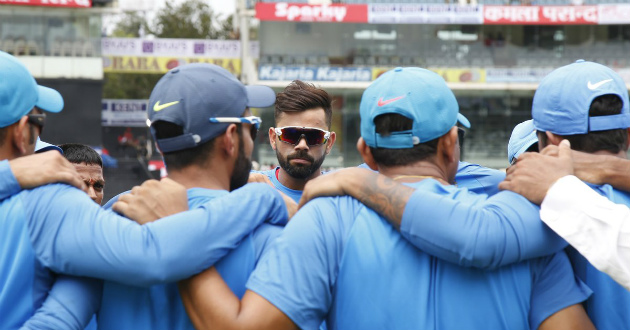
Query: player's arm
70, 304
211, 304
571, 318
602, 169
73, 235
36, 170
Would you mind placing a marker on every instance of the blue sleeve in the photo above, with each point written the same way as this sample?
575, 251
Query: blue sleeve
501, 230
479, 179
71, 303
298, 273
110, 203
73, 235
555, 288
8, 183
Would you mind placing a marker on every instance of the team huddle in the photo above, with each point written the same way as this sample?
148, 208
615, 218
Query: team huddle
413, 238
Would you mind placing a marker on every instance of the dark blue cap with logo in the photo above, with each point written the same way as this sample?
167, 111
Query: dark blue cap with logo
191, 94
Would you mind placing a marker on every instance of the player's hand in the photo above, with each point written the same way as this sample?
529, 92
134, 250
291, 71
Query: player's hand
534, 173
337, 183
153, 200
44, 168
260, 178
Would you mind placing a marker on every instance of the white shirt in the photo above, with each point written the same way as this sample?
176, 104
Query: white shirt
598, 228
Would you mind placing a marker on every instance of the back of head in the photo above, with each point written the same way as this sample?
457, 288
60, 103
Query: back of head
585, 102
301, 96
185, 100
404, 112
77, 153
19, 93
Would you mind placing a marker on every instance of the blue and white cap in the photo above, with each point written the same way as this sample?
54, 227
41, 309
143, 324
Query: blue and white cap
191, 94
19, 92
563, 98
523, 136
418, 94
41, 146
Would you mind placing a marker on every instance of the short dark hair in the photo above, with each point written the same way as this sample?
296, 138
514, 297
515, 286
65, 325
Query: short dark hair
301, 96
180, 159
393, 122
614, 140
77, 153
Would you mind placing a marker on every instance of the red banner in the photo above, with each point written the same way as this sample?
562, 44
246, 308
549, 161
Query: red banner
542, 15
283, 11
50, 3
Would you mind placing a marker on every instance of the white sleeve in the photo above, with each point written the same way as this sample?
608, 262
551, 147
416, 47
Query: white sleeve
598, 228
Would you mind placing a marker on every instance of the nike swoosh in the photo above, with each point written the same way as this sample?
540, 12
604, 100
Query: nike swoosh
597, 85
159, 107
382, 103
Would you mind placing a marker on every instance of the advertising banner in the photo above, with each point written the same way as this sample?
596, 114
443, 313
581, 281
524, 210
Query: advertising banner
461, 75
175, 47
124, 113
301, 12
540, 15
614, 14
516, 75
279, 73
50, 3
424, 14
142, 64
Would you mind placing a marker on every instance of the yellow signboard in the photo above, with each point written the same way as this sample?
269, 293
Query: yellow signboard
136, 64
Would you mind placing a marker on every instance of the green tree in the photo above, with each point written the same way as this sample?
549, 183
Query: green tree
192, 19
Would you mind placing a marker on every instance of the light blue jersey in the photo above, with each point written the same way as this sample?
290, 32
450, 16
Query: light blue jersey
478, 179
349, 266
272, 175
159, 306
8, 184
59, 228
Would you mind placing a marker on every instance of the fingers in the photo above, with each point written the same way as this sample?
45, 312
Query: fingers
564, 150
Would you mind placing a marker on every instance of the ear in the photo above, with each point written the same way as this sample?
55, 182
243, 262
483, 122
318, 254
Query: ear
330, 142
272, 137
366, 154
553, 139
447, 144
229, 141
21, 135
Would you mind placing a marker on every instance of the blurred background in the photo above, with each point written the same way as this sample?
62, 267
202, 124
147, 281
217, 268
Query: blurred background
105, 56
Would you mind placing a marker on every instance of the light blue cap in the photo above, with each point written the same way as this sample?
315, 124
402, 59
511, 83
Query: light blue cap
418, 94
563, 98
523, 136
19, 92
42, 146
189, 95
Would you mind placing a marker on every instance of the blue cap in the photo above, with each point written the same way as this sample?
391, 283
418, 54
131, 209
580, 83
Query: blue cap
523, 137
42, 146
191, 94
563, 98
19, 92
418, 94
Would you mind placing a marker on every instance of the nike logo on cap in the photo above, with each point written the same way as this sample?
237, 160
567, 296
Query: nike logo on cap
386, 102
159, 107
597, 85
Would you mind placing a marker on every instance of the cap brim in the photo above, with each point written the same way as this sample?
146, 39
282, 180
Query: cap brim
260, 96
463, 120
42, 146
49, 99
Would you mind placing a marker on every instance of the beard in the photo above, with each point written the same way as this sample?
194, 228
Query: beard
242, 167
300, 171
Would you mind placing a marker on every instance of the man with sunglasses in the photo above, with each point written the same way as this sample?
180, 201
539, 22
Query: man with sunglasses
58, 228
301, 137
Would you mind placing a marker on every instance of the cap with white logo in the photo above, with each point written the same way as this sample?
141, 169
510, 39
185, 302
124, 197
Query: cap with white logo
563, 98
418, 94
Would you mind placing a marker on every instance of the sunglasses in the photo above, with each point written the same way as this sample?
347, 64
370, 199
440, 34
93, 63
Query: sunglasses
461, 133
293, 135
252, 120
37, 120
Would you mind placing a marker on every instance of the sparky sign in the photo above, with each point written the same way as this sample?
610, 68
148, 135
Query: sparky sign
294, 12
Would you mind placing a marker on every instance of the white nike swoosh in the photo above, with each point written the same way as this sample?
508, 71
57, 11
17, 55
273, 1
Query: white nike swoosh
597, 85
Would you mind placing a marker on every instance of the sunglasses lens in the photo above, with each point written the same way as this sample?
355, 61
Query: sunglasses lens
293, 135
254, 131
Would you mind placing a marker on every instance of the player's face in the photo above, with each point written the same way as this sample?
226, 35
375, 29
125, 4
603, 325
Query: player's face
92, 176
301, 160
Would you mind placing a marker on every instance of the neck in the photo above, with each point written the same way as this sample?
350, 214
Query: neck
197, 177
621, 154
293, 183
416, 172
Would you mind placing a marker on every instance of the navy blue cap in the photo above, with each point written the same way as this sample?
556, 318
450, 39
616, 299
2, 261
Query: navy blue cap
191, 94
